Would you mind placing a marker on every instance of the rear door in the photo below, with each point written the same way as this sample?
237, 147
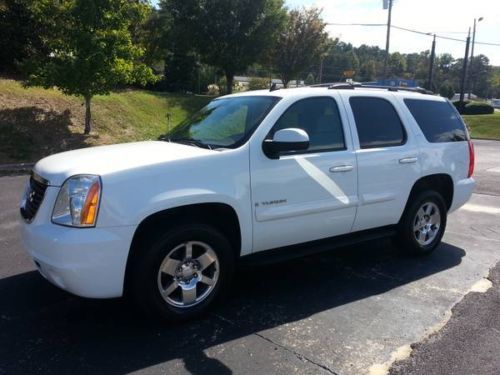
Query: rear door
387, 156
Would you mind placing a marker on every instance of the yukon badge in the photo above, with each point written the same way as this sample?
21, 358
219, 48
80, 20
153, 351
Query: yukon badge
269, 203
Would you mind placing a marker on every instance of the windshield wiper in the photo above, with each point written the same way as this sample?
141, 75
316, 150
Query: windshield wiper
191, 142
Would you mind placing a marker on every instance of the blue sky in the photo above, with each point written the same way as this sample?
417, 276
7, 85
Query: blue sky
445, 17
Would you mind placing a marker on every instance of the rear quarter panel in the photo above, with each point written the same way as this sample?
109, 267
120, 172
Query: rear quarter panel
451, 158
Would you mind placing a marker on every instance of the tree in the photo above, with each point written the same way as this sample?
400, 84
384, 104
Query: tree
20, 34
480, 76
397, 64
495, 82
228, 34
446, 90
153, 36
368, 70
90, 48
300, 44
259, 83
310, 79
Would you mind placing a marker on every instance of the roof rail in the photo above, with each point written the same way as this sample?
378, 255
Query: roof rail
355, 85
328, 84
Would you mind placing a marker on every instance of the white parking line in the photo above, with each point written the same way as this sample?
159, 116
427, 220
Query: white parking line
496, 170
479, 208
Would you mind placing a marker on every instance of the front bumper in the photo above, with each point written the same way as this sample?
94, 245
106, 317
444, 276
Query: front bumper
88, 262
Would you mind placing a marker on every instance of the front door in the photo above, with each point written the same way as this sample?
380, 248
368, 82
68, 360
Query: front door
305, 195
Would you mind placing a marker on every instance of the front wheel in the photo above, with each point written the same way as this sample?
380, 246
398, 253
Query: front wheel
423, 224
182, 272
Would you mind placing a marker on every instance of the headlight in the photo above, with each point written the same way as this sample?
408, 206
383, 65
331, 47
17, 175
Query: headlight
78, 201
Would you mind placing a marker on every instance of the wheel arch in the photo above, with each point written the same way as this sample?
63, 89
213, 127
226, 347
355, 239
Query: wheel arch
222, 216
440, 182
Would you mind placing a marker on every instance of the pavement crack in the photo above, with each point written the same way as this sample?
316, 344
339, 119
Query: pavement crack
296, 354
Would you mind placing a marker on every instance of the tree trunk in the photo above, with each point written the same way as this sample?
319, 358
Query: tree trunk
88, 125
285, 81
229, 83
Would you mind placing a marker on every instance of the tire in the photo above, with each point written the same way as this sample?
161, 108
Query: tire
426, 211
206, 274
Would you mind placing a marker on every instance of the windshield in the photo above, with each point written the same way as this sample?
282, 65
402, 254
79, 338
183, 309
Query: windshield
225, 123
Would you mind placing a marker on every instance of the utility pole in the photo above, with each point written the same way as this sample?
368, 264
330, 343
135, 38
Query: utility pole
472, 56
387, 3
464, 72
431, 63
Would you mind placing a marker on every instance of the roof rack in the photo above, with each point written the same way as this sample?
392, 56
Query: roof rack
354, 85
274, 87
328, 84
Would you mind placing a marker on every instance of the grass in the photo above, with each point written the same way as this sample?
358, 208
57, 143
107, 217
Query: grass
35, 122
484, 126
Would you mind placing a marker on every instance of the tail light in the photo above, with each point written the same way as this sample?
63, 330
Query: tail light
471, 159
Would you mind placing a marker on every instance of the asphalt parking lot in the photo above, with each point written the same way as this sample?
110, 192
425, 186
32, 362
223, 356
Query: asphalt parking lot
350, 311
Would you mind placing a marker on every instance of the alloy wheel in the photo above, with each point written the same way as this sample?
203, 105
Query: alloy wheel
426, 223
188, 274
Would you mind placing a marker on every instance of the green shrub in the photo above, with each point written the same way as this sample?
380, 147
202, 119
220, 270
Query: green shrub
258, 83
446, 90
478, 108
456, 103
474, 108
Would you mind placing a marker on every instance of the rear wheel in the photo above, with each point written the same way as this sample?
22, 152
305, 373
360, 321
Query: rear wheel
423, 224
181, 273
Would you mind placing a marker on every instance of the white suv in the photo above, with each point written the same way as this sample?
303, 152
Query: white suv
285, 170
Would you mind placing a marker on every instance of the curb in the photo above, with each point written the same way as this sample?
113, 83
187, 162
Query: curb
13, 169
485, 139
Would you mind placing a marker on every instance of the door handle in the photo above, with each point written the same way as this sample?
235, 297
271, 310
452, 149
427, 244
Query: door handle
341, 168
409, 160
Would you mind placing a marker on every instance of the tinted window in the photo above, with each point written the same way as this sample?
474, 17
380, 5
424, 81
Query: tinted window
226, 122
320, 118
377, 122
438, 120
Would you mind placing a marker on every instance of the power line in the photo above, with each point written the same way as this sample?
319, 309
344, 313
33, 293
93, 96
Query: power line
355, 24
430, 34
449, 32
443, 37
488, 44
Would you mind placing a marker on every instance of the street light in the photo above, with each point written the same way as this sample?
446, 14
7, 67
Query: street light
472, 54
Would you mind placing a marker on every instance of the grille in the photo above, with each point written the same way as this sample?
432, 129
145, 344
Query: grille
33, 198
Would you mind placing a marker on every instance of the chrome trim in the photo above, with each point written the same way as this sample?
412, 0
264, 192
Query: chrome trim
39, 178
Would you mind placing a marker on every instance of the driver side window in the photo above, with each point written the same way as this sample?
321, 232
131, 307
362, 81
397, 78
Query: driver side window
319, 117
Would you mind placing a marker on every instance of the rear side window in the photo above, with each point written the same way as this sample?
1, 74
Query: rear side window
439, 121
377, 122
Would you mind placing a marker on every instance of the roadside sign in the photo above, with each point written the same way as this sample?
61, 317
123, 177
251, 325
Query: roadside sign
349, 73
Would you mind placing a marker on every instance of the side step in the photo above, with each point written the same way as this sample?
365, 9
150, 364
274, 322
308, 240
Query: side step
313, 247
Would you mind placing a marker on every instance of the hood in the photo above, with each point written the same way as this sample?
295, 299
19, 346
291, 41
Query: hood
104, 160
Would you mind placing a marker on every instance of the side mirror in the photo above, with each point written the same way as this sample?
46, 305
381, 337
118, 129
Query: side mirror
290, 139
